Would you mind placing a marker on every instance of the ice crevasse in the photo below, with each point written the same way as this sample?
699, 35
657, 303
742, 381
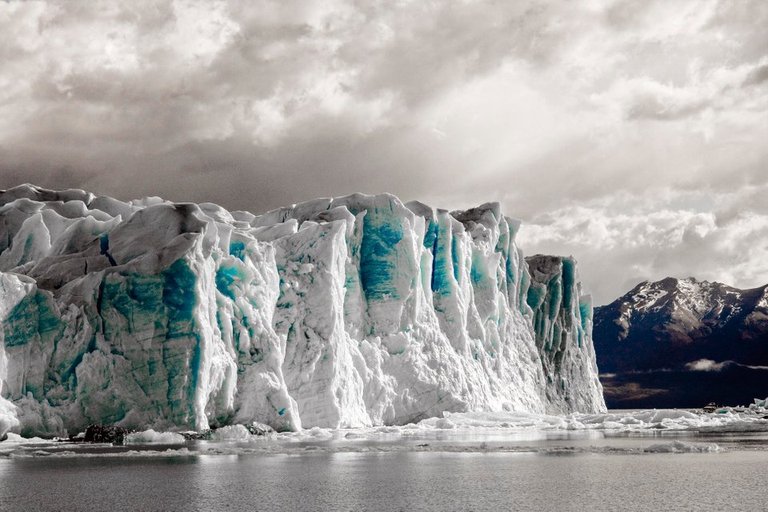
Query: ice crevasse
344, 312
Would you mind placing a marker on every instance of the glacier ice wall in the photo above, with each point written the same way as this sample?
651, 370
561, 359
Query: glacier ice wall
562, 326
353, 311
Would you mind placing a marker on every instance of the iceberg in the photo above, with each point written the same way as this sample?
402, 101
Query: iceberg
355, 311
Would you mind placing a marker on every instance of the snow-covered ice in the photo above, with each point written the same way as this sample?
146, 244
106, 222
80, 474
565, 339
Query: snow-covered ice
356, 311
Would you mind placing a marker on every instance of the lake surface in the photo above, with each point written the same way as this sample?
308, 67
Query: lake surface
473, 465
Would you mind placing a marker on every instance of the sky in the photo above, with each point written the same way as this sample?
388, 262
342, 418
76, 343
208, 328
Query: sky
632, 135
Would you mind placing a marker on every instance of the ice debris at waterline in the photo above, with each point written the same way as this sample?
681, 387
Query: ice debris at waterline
346, 312
663, 431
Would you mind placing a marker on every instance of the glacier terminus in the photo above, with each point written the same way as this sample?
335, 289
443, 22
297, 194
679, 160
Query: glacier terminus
345, 312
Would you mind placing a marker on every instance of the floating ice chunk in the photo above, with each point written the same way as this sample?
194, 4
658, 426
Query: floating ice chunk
444, 424
231, 433
12, 438
317, 433
683, 447
152, 437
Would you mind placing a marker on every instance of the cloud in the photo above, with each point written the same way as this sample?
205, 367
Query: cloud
629, 238
705, 365
722, 89
758, 75
633, 390
552, 108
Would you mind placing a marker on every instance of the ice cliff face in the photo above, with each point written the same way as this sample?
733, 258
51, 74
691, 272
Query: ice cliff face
562, 326
352, 311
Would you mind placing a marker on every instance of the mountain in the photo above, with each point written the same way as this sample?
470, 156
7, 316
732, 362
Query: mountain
683, 343
353, 311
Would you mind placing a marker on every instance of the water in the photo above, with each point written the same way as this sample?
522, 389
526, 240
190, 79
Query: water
519, 466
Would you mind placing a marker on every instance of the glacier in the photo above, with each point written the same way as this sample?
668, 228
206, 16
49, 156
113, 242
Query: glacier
346, 312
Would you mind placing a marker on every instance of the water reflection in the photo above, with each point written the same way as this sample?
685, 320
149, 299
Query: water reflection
387, 481
409, 468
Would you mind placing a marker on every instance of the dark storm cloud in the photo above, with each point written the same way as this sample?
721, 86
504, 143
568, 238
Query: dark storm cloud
757, 76
320, 89
550, 107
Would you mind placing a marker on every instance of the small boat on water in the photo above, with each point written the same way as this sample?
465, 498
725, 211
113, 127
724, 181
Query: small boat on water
710, 407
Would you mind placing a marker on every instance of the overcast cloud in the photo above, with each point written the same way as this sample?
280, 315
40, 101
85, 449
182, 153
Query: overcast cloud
631, 134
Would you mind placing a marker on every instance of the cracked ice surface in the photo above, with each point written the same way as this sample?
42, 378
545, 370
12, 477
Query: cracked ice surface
349, 312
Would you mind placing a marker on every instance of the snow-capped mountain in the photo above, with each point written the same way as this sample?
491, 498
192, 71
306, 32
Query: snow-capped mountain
353, 311
668, 334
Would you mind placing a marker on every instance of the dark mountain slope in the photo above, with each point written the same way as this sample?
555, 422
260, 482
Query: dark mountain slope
681, 342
